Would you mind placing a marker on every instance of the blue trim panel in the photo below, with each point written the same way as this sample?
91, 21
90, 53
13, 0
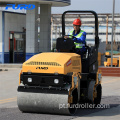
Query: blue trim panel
3, 34
6, 57
29, 55
0, 57
19, 57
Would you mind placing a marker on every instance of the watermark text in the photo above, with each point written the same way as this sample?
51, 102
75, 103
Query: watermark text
86, 105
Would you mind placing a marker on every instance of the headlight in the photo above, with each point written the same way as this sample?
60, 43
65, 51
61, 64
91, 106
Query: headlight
56, 81
29, 80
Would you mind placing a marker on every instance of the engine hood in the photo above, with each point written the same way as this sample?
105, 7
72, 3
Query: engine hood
52, 62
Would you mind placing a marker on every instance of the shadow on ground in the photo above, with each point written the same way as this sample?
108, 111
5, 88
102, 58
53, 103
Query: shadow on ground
107, 102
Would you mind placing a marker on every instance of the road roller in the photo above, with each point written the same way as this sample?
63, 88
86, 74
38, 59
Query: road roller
54, 82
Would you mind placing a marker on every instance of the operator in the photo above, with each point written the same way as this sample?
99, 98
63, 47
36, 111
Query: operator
79, 37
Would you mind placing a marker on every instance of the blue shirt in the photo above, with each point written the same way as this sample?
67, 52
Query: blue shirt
82, 39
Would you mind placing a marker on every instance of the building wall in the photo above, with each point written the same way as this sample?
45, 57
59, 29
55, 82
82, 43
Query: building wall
13, 22
0, 36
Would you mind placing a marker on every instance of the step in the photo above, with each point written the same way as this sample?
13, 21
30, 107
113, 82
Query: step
104, 71
110, 71
109, 68
107, 74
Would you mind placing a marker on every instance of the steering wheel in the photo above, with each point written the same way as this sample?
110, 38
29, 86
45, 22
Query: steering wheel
71, 36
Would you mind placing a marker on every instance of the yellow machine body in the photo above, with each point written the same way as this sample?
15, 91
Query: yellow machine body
61, 63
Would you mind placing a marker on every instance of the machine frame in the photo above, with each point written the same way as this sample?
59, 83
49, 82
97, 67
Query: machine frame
79, 79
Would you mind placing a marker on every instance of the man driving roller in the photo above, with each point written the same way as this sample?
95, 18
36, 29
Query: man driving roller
79, 37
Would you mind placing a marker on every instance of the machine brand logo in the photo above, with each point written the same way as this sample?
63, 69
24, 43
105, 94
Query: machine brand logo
42, 68
69, 62
20, 6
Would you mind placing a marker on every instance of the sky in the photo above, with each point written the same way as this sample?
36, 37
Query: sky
100, 6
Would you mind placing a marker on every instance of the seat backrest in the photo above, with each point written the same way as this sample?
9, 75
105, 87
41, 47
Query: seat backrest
109, 60
114, 60
65, 45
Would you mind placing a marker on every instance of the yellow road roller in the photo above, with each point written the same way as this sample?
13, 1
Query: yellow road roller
54, 82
